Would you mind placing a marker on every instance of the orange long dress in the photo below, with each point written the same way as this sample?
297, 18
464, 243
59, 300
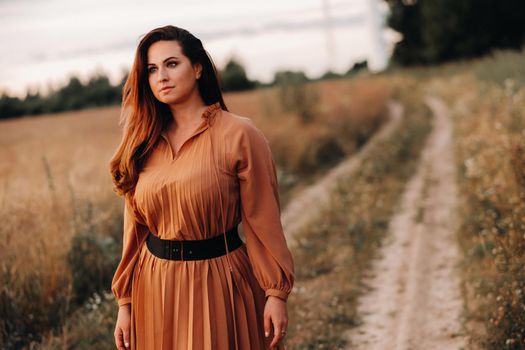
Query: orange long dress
222, 174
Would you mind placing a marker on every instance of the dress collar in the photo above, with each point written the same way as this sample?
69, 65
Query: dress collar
209, 113
207, 117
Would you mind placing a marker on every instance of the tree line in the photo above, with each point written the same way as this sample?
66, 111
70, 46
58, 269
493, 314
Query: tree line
98, 90
445, 30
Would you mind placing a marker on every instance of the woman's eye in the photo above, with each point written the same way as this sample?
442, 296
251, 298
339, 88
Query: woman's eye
151, 69
172, 64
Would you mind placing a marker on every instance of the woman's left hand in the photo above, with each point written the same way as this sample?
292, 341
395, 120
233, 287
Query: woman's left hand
275, 315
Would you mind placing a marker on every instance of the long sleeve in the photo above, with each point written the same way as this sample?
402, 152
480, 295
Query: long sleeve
269, 255
134, 233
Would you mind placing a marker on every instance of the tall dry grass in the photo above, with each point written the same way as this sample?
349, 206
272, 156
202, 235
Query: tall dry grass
490, 134
50, 171
62, 223
346, 114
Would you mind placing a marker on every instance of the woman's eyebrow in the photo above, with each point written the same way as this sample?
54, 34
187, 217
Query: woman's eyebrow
152, 64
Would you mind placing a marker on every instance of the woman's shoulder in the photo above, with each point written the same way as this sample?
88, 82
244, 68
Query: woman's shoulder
237, 126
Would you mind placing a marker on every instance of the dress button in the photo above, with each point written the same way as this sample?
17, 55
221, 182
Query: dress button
190, 251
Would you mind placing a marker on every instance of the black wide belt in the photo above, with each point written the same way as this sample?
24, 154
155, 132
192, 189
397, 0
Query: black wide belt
193, 249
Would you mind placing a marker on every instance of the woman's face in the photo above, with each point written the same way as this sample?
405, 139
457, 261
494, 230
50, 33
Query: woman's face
172, 77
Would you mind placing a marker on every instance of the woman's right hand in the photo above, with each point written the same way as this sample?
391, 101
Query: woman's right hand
123, 326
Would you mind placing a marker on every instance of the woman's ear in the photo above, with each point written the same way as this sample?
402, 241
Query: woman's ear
198, 70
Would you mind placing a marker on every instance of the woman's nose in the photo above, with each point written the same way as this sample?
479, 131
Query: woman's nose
162, 74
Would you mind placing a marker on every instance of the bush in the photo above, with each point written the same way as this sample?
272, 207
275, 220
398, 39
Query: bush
92, 260
233, 77
29, 307
296, 95
93, 257
89, 327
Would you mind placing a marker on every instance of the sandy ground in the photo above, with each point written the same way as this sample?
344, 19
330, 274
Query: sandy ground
414, 301
305, 206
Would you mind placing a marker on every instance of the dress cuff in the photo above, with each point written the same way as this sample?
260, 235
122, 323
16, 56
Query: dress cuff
124, 301
281, 294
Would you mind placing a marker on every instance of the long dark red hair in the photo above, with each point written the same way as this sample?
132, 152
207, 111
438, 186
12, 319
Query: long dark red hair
143, 116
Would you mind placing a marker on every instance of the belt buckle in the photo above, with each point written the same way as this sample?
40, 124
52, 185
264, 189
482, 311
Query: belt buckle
174, 250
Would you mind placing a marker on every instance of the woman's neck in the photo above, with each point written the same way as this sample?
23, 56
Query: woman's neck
187, 113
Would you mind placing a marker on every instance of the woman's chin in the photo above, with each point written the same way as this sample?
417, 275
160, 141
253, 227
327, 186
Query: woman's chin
168, 99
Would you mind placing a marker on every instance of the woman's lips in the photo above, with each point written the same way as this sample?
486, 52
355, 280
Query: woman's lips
166, 88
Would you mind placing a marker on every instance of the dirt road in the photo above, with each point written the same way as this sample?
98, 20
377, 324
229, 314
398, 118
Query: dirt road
308, 203
414, 301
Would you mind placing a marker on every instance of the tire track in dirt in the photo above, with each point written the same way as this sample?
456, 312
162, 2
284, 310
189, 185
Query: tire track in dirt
305, 206
414, 301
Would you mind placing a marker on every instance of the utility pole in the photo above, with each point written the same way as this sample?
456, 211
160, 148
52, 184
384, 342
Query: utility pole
329, 36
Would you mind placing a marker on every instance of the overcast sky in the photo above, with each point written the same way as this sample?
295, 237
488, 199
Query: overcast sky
43, 42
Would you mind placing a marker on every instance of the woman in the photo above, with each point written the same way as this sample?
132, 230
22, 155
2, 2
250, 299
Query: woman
190, 171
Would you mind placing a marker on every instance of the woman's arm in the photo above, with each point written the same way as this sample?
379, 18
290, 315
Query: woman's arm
261, 213
134, 234
265, 241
